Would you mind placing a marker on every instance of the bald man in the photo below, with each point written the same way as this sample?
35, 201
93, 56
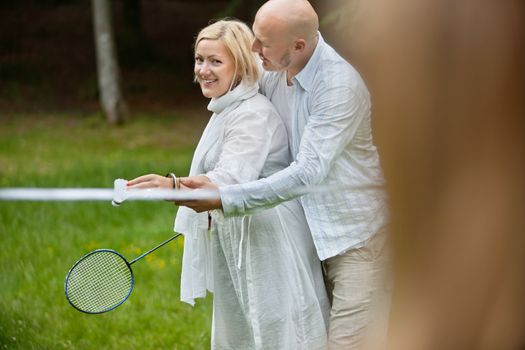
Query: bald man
325, 106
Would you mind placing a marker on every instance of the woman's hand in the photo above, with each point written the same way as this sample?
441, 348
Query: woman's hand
151, 181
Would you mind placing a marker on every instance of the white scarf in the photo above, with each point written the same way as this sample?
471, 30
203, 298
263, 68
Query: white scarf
197, 273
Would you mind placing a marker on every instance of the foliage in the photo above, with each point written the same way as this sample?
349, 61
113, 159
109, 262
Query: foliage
340, 16
41, 240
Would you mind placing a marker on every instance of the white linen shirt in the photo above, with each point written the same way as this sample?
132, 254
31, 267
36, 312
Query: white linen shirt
331, 144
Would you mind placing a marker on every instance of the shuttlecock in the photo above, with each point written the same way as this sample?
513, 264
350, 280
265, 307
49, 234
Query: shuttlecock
120, 188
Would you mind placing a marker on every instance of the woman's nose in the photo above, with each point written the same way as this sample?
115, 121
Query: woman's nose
204, 68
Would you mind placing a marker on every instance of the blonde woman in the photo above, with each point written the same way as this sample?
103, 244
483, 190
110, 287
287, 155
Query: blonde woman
262, 269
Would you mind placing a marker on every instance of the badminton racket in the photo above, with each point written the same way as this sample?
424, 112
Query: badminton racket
102, 280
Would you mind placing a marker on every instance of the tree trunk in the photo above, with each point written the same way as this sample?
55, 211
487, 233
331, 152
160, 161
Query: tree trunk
111, 98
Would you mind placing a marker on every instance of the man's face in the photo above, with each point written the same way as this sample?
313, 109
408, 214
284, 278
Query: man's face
272, 47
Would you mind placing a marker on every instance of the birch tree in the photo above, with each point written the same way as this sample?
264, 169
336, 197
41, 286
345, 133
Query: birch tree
111, 98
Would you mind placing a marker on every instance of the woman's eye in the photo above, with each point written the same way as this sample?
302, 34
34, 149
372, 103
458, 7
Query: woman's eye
198, 60
216, 62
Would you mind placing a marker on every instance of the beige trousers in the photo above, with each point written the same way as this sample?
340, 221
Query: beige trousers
359, 292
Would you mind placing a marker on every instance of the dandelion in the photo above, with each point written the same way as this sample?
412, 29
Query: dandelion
156, 262
180, 242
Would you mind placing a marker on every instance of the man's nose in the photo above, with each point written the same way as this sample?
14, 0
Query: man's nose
255, 46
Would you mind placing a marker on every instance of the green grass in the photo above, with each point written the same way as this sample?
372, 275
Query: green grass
42, 240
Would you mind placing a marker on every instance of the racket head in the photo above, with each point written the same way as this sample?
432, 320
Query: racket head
99, 282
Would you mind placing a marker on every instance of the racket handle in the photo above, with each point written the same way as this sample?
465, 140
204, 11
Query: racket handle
157, 247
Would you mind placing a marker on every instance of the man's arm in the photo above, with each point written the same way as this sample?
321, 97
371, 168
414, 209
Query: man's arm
337, 113
249, 135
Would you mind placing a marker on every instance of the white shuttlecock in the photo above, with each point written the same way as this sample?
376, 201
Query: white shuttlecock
120, 189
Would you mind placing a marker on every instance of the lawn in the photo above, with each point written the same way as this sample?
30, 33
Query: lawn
41, 240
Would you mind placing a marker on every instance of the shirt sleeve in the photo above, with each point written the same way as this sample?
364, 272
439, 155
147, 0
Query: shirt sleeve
336, 113
246, 144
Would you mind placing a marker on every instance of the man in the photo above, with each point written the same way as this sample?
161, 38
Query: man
325, 106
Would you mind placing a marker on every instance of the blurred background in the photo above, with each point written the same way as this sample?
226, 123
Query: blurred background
48, 54
56, 132
447, 85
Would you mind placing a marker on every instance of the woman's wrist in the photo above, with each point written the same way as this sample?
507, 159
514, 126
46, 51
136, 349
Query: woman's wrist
175, 181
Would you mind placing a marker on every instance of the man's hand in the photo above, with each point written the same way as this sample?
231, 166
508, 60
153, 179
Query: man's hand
200, 182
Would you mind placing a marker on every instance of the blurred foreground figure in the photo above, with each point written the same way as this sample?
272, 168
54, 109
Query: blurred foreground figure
447, 80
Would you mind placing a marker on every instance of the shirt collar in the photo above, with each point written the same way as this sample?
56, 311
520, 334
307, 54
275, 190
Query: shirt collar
305, 77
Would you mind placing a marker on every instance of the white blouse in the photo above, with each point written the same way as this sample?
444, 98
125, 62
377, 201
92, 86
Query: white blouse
263, 268
244, 140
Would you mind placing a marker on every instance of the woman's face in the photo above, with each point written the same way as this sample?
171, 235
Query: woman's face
214, 68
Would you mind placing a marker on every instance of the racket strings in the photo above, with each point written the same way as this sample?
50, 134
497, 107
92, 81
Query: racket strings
99, 282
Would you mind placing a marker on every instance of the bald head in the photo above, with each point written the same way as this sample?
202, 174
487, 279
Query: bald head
297, 18
285, 35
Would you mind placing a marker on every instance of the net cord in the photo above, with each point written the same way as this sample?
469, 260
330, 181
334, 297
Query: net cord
107, 194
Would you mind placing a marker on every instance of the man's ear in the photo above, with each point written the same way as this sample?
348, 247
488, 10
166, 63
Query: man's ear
299, 45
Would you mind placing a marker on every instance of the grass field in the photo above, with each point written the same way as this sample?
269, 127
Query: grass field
41, 240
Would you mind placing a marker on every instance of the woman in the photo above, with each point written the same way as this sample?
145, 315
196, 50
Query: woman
262, 269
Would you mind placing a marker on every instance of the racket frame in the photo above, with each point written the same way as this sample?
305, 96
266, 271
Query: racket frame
85, 257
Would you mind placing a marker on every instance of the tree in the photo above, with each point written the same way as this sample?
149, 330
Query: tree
111, 98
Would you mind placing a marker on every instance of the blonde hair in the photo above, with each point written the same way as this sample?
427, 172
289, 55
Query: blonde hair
238, 38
